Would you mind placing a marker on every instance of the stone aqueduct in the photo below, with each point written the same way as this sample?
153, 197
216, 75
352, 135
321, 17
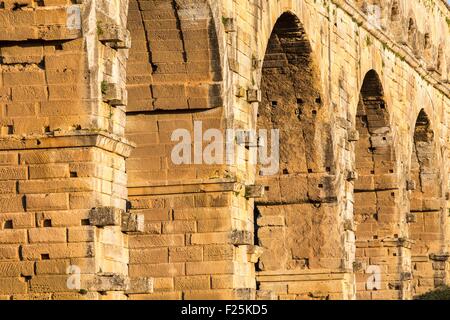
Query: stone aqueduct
91, 91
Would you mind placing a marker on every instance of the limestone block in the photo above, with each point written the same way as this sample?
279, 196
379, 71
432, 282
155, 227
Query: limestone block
254, 191
140, 285
114, 94
107, 282
132, 222
241, 237
105, 216
254, 95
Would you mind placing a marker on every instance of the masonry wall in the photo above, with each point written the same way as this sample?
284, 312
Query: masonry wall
63, 181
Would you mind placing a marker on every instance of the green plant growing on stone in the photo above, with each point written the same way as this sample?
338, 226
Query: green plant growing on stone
226, 20
83, 291
104, 87
99, 28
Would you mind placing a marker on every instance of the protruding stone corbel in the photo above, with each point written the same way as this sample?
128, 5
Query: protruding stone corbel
357, 266
241, 237
254, 253
108, 282
439, 256
229, 24
240, 92
246, 139
256, 63
140, 285
411, 185
405, 242
254, 191
105, 216
411, 217
114, 36
349, 225
352, 176
233, 64
404, 276
254, 95
132, 222
114, 94
353, 135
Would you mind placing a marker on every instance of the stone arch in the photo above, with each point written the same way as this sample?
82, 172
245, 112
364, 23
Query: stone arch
294, 220
174, 61
376, 193
174, 77
425, 217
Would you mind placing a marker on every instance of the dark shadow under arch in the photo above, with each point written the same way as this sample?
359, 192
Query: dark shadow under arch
376, 194
295, 221
425, 219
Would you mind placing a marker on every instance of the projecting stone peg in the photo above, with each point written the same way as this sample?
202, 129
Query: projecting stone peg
254, 253
140, 285
256, 64
132, 222
229, 24
108, 282
353, 135
113, 94
114, 36
410, 185
406, 276
357, 266
349, 225
411, 217
254, 191
233, 64
254, 95
439, 256
240, 92
352, 176
241, 237
105, 216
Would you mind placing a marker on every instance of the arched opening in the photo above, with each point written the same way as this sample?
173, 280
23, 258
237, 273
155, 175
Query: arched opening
395, 11
376, 197
425, 208
412, 35
294, 220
